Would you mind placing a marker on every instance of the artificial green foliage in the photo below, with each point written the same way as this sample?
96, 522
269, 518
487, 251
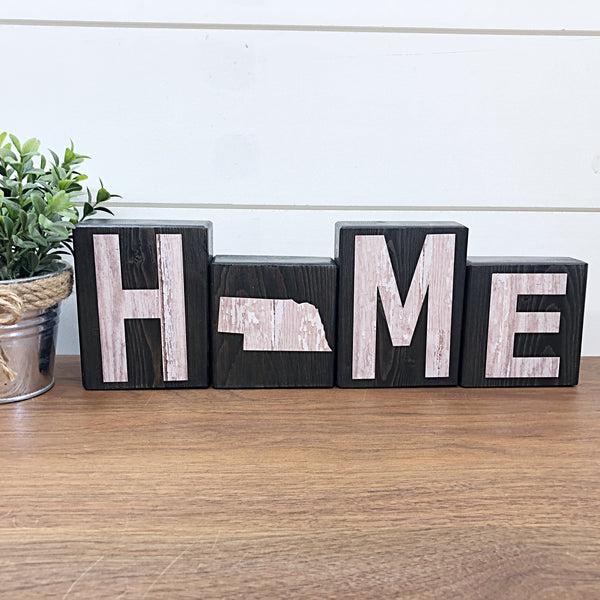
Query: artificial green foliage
39, 206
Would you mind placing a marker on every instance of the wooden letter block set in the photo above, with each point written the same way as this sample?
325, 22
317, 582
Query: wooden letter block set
400, 306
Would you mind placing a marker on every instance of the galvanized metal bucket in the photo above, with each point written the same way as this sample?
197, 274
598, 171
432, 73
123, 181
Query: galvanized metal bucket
29, 348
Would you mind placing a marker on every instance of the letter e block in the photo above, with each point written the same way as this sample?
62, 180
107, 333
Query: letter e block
142, 299
400, 303
273, 321
523, 321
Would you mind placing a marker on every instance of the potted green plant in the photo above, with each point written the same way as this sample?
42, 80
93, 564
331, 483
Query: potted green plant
39, 208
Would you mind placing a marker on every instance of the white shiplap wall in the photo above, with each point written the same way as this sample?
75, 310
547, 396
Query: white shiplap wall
274, 120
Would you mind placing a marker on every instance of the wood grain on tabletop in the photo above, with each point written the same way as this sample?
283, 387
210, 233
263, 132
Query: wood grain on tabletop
379, 493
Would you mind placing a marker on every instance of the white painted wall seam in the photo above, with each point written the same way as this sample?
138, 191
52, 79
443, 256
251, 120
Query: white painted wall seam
281, 27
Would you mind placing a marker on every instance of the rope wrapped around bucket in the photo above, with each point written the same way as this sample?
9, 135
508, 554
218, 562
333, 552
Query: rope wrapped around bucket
35, 294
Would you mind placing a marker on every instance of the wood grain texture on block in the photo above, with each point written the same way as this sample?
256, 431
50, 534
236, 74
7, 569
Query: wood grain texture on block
273, 321
400, 303
273, 325
142, 293
523, 321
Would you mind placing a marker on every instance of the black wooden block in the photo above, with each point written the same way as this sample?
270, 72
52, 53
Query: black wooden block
523, 321
273, 321
400, 303
142, 298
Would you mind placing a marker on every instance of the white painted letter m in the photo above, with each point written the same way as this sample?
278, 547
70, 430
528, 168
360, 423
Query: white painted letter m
433, 277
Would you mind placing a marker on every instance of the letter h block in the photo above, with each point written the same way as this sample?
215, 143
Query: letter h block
142, 299
523, 321
400, 303
273, 321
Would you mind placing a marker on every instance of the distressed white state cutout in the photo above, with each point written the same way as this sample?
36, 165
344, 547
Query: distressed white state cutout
270, 325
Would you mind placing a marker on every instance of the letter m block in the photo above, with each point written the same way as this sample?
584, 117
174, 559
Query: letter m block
142, 298
400, 303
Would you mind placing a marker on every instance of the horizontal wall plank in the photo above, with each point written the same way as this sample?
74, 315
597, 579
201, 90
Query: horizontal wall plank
306, 234
577, 14
316, 118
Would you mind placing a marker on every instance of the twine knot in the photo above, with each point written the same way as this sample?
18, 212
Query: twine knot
11, 306
39, 293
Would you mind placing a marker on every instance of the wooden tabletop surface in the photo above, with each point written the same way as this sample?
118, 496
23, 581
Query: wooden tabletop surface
384, 493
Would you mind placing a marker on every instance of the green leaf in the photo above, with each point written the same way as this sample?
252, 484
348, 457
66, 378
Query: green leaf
27, 165
60, 173
38, 238
30, 222
55, 157
13, 186
70, 213
2, 137
7, 224
11, 204
16, 143
38, 203
59, 201
31, 145
53, 256
69, 156
32, 262
45, 222
104, 209
59, 232
19, 243
7, 152
37, 172
103, 195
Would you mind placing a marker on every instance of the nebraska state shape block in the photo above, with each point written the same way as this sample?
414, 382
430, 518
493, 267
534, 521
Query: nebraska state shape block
273, 322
